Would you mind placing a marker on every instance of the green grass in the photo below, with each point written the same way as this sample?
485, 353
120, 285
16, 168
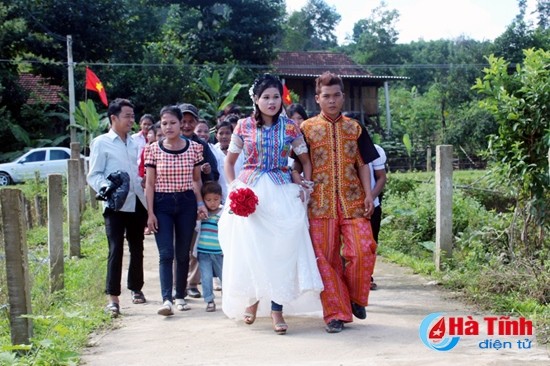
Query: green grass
63, 321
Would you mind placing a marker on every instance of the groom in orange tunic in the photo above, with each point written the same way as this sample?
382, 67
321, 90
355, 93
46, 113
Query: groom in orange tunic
341, 205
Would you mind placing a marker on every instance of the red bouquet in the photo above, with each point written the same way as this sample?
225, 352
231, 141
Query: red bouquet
243, 201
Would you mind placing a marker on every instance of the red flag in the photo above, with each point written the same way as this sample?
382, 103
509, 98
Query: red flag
93, 83
287, 98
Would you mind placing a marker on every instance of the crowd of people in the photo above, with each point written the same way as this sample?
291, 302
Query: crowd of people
276, 209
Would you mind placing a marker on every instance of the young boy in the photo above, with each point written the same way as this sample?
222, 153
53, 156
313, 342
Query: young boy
209, 252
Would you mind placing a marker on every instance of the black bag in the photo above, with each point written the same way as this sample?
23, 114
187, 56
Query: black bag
116, 191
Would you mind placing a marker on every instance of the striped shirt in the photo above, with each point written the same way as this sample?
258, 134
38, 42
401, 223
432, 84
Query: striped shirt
208, 237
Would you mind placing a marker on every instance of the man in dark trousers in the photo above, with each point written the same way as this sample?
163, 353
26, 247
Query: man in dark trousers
112, 152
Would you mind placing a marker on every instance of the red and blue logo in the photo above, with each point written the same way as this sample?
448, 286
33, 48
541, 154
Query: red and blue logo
432, 333
442, 333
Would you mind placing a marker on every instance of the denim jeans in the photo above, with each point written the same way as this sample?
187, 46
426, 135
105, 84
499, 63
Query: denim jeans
210, 266
176, 216
276, 307
118, 224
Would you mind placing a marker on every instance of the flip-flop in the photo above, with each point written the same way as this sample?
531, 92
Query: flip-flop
211, 306
113, 308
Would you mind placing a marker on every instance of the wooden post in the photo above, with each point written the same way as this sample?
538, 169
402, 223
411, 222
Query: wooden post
55, 231
17, 264
429, 159
39, 210
93, 201
73, 206
444, 203
28, 212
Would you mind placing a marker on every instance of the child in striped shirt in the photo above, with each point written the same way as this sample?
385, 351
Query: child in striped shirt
209, 252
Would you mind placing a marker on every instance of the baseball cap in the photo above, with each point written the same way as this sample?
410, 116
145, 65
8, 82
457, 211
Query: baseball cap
189, 108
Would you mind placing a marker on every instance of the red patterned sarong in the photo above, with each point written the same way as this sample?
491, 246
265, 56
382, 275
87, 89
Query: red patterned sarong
346, 254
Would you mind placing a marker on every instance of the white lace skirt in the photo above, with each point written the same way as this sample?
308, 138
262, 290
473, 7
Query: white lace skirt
268, 256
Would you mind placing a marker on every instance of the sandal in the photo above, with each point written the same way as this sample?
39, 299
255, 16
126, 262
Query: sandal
182, 305
280, 327
113, 308
250, 313
211, 307
138, 297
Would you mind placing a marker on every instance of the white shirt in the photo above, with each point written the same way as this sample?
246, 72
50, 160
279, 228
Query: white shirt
220, 157
139, 138
377, 164
108, 153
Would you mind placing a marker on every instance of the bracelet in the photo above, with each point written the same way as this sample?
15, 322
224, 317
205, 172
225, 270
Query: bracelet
200, 203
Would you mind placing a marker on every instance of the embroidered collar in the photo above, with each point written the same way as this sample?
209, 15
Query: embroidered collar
330, 119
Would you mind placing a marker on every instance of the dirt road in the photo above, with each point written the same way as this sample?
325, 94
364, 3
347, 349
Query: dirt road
389, 335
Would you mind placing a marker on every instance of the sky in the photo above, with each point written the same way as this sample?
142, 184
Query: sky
430, 19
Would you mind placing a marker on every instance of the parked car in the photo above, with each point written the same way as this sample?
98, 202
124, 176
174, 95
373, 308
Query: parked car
45, 160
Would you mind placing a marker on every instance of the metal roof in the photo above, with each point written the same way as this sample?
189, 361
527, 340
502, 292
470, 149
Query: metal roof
313, 64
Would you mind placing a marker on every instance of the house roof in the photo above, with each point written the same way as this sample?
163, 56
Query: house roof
40, 91
312, 64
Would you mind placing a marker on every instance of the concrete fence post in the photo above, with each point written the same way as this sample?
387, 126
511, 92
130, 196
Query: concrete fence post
55, 231
444, 203
73, 206
14, 239
429, 159
82, 185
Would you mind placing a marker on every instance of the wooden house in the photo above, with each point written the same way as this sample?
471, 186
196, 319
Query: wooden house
298, 71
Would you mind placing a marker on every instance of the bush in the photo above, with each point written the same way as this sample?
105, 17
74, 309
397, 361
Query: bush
484, 266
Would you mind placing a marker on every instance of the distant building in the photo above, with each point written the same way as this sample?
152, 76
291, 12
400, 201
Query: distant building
299, 70
40, 91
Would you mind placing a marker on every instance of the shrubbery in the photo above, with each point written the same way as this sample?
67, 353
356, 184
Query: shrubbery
482, 265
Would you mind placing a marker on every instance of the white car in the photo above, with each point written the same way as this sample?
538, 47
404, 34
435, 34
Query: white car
45, 160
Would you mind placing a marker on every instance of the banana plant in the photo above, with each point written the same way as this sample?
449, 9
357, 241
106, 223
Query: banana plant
408, 146
88, 122
217, 91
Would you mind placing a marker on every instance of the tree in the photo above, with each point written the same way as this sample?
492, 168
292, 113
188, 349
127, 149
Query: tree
294, 39
521, 35
518, 151
374, 38
311, 28
244, 31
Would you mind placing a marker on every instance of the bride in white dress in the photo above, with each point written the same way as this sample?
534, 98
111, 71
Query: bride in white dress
268, 256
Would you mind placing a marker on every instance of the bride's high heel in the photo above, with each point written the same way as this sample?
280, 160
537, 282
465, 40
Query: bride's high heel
279, 325
249, 315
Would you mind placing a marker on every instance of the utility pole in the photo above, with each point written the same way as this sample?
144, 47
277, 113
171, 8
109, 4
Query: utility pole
72, 107
388, 114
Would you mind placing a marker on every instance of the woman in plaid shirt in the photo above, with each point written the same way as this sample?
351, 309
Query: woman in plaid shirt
174, 202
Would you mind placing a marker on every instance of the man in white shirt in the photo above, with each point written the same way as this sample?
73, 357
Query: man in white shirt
111, 152
378, 180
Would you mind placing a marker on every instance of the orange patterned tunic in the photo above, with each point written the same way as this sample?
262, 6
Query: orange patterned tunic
335, 157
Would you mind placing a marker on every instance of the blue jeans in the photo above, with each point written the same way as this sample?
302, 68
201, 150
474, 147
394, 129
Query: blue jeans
210, 266
176, 215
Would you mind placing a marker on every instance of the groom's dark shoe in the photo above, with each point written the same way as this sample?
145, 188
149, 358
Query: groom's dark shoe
334, 326
359, 311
